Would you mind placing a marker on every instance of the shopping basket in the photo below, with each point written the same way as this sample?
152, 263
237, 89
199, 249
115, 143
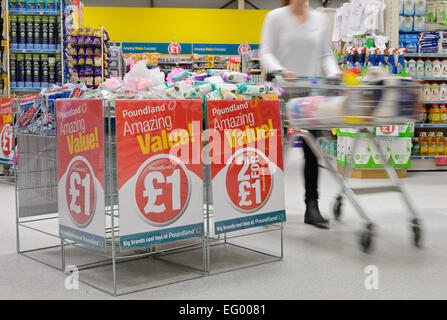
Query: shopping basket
326, 103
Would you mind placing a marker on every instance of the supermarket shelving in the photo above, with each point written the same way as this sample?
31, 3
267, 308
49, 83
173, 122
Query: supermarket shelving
9, 13
33, 13
425, 55
34, 51
430, 125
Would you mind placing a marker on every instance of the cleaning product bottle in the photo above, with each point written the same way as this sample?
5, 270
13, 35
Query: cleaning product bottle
412, 68
443, 92
391, 63
444, 68
351, 57
428, 68
381, 58
423, 143
427, 91
440, 142
360, 58
372, 58
436, 68
401, 67
432, 145
415, 147
435, 91
420, 68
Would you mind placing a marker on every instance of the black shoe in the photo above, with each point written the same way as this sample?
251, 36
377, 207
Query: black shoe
313, 216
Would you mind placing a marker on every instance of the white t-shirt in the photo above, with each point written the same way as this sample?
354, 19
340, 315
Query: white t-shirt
288, 45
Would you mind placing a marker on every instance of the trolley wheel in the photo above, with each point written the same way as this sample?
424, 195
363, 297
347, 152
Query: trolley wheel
417, 232
366, 238
337, 208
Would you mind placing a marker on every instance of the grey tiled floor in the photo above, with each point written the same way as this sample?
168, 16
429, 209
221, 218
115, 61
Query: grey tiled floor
317, 264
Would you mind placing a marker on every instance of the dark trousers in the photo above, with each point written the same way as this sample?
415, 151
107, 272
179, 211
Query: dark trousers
310, 173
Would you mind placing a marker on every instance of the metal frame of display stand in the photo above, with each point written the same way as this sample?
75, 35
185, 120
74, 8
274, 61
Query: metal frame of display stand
60, 253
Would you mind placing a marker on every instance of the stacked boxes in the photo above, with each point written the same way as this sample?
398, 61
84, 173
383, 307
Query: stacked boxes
397, 150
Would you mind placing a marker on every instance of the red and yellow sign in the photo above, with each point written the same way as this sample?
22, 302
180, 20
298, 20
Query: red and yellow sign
159, 170
246, 154
6, 134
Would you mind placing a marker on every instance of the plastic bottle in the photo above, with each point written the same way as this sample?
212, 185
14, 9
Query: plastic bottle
445, 144
37, 32
401, 66
31, 4
20, 70
443, 114
22, 32
412, 68
440, 142
36, 71
28, 71
428, 68
41, 5
29, 32
443, 92
45, 33
436, 68
12, 70
434, 114
424, 115
435, 91
58, 70
14, 32
432, 145
415, 148
444, 68
423, 143
420, 68
57, 32
52, 70
51, 35
426, 95
44, 70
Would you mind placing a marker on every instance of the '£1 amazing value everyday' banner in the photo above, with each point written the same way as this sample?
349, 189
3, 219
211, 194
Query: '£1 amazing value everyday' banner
80, 153
6, 136
247, 164
160, 174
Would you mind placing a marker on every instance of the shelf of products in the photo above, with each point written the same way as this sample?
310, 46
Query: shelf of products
34, 45
89, 56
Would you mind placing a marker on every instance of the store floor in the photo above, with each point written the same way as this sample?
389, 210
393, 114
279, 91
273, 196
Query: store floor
317, 264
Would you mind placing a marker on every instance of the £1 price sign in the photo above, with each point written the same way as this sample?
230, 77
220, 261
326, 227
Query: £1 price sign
6, 135
80, 155
162, 190
80, 192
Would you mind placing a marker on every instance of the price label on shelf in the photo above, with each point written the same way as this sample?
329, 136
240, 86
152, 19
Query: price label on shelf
441, 161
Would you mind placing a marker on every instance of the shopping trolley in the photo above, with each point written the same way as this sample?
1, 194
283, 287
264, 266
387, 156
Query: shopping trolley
364, 107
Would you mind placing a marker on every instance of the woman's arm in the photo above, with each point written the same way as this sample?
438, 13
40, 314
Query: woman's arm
269, 33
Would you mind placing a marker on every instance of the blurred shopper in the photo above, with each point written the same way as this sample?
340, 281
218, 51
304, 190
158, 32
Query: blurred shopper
295, 42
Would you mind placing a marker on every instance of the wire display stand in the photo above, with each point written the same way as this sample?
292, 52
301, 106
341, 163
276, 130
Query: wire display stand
369, 106
114, 271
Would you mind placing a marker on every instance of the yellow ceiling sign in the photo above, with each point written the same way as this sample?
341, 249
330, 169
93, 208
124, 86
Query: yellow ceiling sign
183, 25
